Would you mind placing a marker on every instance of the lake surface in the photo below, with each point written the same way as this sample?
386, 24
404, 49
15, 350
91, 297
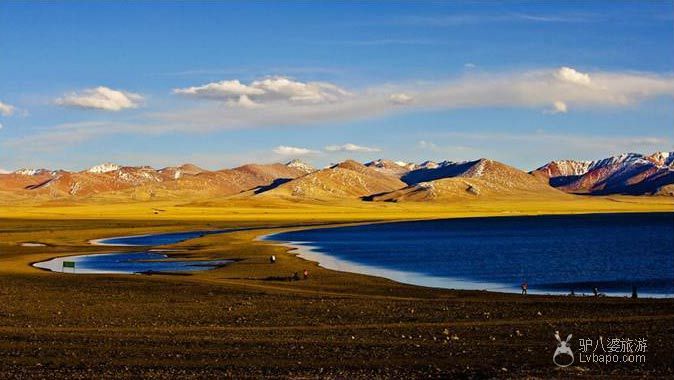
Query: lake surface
149, 261
156, 239
128, 262
553, 254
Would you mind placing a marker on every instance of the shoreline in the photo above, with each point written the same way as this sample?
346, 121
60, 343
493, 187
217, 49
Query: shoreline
312, 253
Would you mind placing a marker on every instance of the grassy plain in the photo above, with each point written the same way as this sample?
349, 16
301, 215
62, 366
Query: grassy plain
242, 320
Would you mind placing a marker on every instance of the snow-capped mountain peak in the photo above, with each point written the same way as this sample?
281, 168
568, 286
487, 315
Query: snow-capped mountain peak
104, 168
300, 165
33, 172
627, 173
28, 172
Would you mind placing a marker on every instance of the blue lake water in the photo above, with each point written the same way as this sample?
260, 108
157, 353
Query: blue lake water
151, 261
155, 239
128, 262
553, 254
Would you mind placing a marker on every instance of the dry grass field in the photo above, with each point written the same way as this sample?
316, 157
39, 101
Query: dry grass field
245, 321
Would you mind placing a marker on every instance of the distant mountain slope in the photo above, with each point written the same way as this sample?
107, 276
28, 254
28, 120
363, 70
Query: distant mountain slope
376, 180
24, 178
469, 180
396, 168
144, 182
433, 171
629, 173
348, 179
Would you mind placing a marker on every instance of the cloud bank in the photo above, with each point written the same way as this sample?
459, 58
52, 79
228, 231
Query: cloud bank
268, 90
293, 151
101, 98
276, 102
279, 101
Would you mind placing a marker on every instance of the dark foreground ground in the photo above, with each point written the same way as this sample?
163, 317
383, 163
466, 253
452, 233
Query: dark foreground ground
240, 322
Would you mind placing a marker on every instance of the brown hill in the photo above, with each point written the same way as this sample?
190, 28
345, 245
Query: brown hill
667, 190
629, 173
348, 179
184, 169
144, 182
472, 180
16, 182
396, 168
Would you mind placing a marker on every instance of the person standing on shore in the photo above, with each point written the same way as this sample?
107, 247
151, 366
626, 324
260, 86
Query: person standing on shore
306, 274
525, 288
272, 259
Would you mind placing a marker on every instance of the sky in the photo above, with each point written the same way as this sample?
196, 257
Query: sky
221, 84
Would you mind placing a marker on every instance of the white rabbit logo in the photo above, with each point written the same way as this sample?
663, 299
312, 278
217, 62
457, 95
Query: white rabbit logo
563, 348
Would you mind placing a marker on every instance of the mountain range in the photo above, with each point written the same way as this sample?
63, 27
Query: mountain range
380, 180
629, 173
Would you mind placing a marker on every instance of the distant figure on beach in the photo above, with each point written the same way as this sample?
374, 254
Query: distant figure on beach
573, 293
595, 291
306, 274
524, 287
296, 276
634, 292
272, 259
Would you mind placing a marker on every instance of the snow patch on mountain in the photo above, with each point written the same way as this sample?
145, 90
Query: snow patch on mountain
578, 168
29, 172
300, 165
104, 168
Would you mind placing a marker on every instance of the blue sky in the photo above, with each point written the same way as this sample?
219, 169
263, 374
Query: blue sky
220, 84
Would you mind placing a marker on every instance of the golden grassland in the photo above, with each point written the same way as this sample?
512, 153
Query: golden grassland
281, 210
246, 320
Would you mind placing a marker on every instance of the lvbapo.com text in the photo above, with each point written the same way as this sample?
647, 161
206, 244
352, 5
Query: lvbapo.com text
612, 358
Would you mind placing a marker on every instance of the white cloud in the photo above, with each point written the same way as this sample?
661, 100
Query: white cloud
351, 148
558, 107
102, 98
6, 109
1, 125
469, 65
219, 90
567, 74
293, 151
272, 89
401, 98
